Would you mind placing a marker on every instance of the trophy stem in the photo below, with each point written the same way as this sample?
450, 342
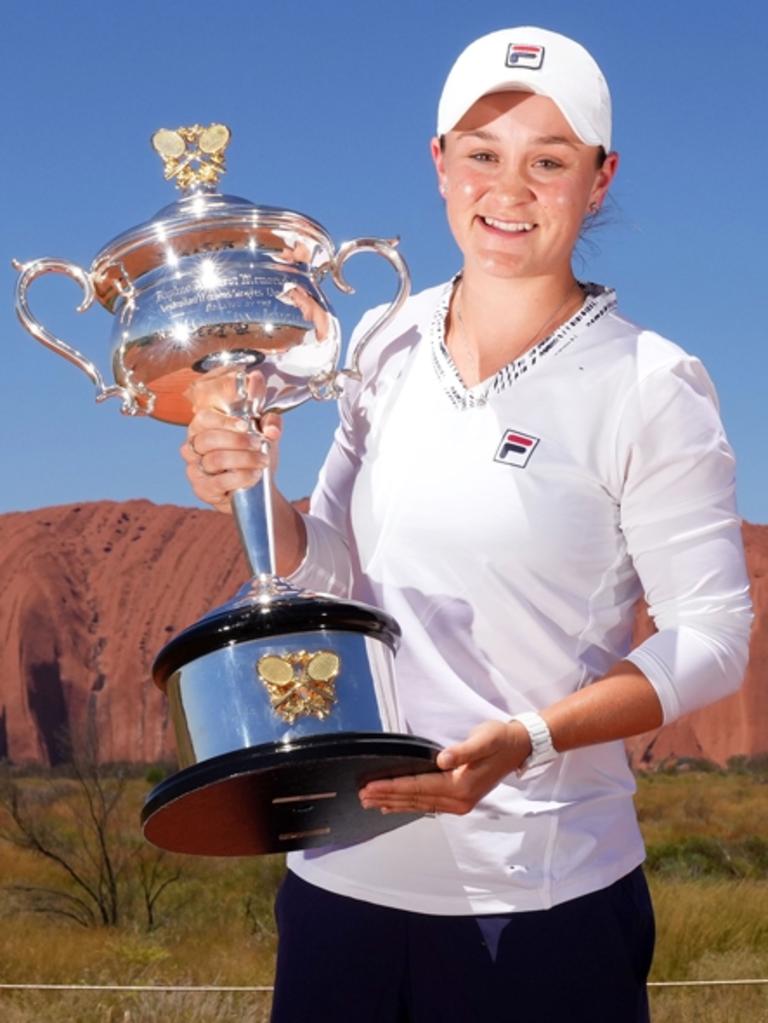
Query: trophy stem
252, 509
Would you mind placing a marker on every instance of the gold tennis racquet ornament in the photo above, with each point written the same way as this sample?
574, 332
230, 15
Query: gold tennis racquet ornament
283, 701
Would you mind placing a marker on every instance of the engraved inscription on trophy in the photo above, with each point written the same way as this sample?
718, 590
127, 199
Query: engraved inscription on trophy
300, 683
210, 284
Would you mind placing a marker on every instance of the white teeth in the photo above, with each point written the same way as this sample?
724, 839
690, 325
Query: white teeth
506, 225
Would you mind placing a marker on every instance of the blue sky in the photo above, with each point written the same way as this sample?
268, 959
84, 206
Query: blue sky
332, 106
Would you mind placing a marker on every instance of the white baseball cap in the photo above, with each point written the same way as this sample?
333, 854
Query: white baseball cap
531, 60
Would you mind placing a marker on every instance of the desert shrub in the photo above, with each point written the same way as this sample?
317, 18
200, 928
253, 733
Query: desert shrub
688, 765
156, 773
692, 858
700, 856
754, 767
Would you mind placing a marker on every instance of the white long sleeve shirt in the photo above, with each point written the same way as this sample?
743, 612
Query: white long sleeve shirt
510, 529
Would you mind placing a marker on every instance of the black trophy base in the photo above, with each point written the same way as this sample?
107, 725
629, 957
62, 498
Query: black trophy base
275, 798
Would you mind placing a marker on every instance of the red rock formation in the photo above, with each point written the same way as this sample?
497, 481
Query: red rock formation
91, 592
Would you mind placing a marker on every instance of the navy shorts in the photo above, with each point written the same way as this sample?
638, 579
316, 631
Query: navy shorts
341, 960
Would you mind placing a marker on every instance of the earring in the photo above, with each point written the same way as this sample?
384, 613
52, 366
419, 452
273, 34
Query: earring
594, 207
442, 189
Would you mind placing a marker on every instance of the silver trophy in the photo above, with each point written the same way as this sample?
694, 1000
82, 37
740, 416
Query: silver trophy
283, 701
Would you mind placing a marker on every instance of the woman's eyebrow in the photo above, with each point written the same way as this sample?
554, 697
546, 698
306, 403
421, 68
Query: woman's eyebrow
480, 133
555, 140
541, 140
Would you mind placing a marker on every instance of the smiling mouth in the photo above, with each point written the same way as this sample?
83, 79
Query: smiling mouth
508, 226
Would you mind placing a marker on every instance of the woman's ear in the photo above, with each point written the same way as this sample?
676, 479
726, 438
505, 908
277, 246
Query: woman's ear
603, 178
439, 161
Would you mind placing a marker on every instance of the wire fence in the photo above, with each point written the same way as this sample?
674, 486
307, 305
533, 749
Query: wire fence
706, 983
264, 989
168, 988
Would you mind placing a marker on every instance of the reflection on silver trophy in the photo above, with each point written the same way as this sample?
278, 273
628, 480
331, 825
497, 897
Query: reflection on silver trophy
282, 700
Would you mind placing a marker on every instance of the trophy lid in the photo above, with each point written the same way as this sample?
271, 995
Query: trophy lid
203, 220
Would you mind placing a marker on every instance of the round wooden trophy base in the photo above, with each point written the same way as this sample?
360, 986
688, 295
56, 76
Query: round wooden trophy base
279, 797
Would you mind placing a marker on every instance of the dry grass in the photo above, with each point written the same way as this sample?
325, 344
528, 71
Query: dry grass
96, 1007
710, 1005
204, 943
726, 806
217, 926
711, 930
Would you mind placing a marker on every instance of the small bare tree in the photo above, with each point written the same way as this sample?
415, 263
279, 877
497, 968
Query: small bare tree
79, 826
154, 876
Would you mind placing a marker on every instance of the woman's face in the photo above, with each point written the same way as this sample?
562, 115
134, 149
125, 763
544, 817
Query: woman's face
517, 184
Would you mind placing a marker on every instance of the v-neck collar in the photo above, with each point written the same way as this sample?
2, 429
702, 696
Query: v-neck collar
598, 300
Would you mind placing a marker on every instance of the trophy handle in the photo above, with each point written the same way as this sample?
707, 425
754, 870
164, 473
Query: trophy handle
30, 272
388, 249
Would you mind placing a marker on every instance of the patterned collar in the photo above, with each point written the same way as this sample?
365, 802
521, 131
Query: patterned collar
598, 300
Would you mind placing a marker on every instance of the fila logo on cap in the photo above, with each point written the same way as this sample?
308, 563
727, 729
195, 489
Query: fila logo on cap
516, 448
525, 56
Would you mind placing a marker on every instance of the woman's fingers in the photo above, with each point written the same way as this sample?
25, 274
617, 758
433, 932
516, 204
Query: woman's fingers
271, 425
469, 770
227, 388
211, 429
444, 792
217, 452
221, 459
224, 450
204, 441
212, 419
484, 741
215, 488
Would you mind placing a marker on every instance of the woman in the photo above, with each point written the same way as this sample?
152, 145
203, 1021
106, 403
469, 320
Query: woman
517, 466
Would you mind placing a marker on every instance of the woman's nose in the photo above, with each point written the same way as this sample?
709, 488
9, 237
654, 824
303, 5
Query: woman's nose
512, 187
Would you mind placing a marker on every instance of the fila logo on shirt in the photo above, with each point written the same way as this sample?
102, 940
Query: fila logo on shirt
516, 448
525, 56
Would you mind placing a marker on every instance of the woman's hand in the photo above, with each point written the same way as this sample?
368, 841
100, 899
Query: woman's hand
222, 451
468, 771
222, 455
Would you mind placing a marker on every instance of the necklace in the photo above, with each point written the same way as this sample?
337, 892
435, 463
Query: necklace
472, 355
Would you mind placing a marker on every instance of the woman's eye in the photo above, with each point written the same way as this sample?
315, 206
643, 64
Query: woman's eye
548, 164
482, 157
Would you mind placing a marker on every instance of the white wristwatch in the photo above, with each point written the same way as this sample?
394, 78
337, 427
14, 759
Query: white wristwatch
542, 749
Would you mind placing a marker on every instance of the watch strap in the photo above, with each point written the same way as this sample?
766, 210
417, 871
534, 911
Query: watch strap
542, 747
